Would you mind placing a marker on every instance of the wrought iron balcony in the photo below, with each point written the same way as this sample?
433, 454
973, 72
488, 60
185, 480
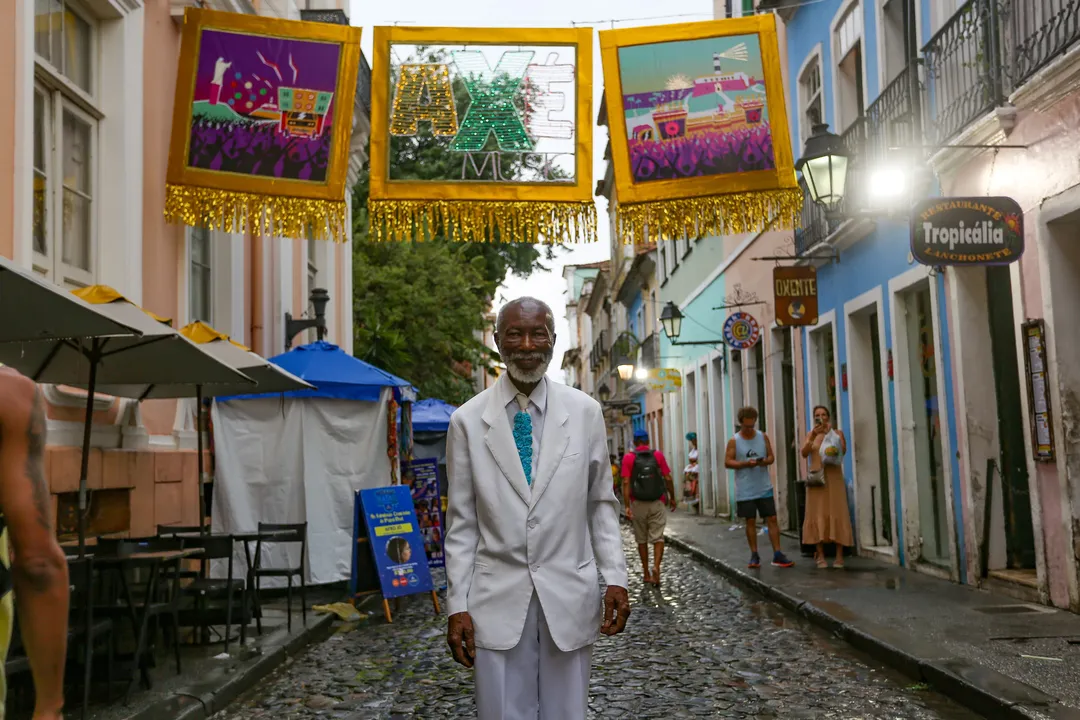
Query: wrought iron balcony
963, 70
814, 225
599, 351
1034, 33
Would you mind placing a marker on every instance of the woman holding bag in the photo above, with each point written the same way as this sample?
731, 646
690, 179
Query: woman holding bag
827, 517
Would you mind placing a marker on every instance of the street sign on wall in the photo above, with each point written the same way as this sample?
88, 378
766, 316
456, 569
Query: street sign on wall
967, 231
795, 293
665, 380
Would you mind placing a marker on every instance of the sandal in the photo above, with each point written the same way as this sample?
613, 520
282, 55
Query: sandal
822, 564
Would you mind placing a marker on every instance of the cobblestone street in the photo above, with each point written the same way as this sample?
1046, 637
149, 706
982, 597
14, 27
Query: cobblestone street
696, 648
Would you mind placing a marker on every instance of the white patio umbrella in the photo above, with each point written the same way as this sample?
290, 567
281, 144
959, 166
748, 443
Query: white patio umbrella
270, 379
32, 308
159, 355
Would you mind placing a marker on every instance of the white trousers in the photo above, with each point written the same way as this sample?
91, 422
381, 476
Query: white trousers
535, 680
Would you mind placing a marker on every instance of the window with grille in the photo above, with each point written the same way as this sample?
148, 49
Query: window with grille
810, 98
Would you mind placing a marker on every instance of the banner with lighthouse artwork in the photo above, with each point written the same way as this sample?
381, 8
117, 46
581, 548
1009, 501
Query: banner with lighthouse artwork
699, 129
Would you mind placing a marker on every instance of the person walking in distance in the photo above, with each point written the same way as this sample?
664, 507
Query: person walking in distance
646, 476
35, 570
749, 454
531, 523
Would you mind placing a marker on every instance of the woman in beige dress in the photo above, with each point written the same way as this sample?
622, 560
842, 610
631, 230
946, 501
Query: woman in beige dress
827, 518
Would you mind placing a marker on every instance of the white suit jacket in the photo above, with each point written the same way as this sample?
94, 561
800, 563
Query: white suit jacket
503, 538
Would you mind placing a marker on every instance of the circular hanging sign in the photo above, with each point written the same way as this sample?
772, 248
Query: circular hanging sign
741, 331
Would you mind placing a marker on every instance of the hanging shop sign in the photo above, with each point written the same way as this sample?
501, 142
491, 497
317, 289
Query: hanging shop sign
665, 380
1042, 430
699, 131
742, 331
631, 410
795, 292
967, 231
510, 108
261, 126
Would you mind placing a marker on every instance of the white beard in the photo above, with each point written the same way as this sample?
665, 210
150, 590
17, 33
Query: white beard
527, 377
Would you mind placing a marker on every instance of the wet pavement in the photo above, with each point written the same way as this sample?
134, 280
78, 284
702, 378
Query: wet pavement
698, 647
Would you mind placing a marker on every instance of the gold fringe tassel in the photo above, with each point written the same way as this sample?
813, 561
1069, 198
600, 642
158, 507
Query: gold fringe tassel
530, 222
260, 214
714, 215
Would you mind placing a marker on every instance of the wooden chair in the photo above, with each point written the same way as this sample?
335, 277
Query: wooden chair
283, 534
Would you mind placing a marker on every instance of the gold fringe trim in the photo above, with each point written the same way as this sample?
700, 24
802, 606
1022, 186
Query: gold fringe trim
237, 212
715, 215
530, 222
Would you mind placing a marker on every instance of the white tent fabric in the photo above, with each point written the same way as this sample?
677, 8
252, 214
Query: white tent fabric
296, 459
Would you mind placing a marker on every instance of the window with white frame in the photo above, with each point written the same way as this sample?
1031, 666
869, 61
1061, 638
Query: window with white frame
65, 142
849, 67
810, 98
200, 276
661, 259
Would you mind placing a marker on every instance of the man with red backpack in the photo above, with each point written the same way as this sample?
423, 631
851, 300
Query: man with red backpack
646, 480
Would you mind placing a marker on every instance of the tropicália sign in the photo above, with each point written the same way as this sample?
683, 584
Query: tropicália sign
967, 231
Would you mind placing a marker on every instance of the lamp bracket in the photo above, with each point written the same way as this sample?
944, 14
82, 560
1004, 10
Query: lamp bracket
740, 304
831, 254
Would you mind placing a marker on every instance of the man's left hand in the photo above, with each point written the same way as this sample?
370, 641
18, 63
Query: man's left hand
616, 610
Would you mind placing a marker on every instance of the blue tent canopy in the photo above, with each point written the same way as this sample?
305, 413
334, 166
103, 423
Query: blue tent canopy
431, 415
336, 375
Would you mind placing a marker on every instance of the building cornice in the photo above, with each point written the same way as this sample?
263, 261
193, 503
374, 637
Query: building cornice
177, 7
114, 9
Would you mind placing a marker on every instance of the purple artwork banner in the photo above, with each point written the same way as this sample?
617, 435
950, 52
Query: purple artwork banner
264, 106
695, 108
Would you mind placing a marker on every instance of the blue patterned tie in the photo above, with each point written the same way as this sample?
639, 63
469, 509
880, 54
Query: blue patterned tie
523, 436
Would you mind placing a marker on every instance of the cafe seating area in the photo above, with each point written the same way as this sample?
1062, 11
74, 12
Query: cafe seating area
138, 603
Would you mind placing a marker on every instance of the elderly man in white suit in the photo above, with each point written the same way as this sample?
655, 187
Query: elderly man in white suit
532, 519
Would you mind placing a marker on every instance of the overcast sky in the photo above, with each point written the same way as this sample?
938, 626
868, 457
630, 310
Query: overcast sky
599, 14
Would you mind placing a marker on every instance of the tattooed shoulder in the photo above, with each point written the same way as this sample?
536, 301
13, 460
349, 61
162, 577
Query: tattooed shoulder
35, 459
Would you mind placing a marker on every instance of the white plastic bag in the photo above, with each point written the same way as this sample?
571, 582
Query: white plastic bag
831, 451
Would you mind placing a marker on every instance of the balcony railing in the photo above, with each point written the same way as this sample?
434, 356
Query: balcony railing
814, 225
963, 78
1034, 32
599, 351
891, 119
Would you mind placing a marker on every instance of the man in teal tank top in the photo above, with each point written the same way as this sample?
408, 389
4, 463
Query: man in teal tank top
750, 454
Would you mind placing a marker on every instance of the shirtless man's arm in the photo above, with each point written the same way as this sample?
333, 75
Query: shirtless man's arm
39, 569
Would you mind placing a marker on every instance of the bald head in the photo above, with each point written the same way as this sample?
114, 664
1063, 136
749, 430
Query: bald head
525, 334
528, 304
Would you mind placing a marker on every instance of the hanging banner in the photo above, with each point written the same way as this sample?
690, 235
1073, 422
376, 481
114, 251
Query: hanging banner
429, 512
482, 135
795, 295
262, 125
699, 129
967, 231
742, 331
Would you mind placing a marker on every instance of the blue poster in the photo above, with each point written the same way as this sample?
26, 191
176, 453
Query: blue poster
425, 494
396, 543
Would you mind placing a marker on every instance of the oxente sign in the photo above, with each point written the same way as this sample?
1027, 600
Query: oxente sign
967, 231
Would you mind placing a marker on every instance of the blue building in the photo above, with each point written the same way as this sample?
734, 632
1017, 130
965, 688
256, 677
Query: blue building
879, 357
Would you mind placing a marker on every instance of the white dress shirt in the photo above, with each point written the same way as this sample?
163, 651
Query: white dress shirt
537, 408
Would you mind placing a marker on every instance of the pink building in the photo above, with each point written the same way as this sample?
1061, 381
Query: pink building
83, 151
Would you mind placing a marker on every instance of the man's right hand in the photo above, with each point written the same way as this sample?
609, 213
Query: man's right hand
459, 635
629, 513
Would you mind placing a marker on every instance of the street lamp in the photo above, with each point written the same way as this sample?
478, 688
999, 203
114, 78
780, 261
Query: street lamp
626, 369
671, 320
824, 166
604, 392
642, 374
